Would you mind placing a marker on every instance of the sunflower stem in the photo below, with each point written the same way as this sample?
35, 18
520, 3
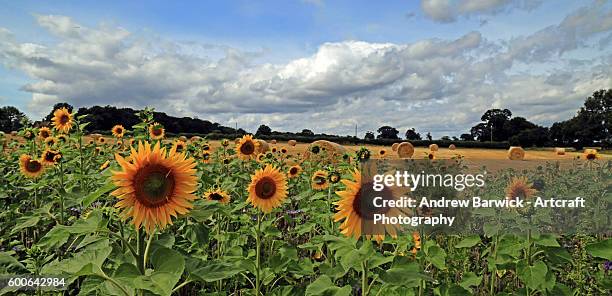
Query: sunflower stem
258, 255
146, 251
61, 197
140, 247
364, 278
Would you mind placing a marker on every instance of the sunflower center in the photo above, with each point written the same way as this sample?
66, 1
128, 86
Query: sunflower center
216, 196
319, 180
365, 208
293, 171
119, 131
247, 148
33, 166
64, 119
154, 185
265, 188
157, 131
590, 156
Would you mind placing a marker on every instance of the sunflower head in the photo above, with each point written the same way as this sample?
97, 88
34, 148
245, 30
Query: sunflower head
217, 195
283, 150
382, 152
294, 171
319, 180
179, 146
431, 155
101, 140
363, 154
44, 132
334, 177
205, 157
62, 120
154, 185
118, 131
50, 141
31, 168
315, 149
206, 147
521, 188
28, 135
247, 147
590, 154
274, 149
225, 142
156, 131
268, 189
51, 157
63, 138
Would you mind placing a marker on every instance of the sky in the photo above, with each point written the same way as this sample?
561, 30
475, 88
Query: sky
328, 66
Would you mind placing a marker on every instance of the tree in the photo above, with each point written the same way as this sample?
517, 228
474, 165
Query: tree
428, 136
387, 132
263, 130
466, 137
307, 133
11, 119
445, 138
58, 106
369, 136
411, 134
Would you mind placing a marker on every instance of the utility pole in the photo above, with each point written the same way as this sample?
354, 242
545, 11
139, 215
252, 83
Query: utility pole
355, 130
491, 132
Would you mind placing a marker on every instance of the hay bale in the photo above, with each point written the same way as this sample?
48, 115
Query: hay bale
237, 140
292, 142
273, 142
14, 133
452, 147
195, 138
433, 147
183, 138
96, 136
263, 146
516, 153
405, 150
328, 152
394, 146
560, 151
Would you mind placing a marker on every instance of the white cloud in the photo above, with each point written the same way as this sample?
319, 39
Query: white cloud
446, 11
441, 86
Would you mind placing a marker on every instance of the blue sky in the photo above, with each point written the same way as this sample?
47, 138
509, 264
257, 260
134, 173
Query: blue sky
277, 61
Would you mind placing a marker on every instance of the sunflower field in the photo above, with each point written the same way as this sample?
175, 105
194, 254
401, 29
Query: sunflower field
141, 214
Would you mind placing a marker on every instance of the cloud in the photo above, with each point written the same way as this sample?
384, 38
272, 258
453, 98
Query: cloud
446, 11
435, 85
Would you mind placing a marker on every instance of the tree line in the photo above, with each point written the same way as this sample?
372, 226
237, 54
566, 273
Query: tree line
592, 125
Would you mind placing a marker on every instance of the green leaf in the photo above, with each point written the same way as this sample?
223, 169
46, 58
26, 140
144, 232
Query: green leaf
434, 254
468, 242
324, 286
216, 270
25, 222
602, 249
470, 279
534, 276
490, 229
408, 276
547, 240
10, 264
90, 198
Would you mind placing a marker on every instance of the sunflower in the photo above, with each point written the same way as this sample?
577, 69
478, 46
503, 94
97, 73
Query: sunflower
206, 147
274, 149
99, 151
225, 142
357, 219
315, 149
154, 185
101, 140
28, 135
283, 150
247, 147
29, 167
118, 131
363, 154
227, 160
131, 142
50, 141
217, 195
62, 120
590, 154
205, 157
179, 146
334, 177
44, 132
521, 188
261, 157
104, 165
91, 142
382, 152
416, 239
268, 189
319, 180
51, 157
294, 171
431, 155
156, 131
62, 138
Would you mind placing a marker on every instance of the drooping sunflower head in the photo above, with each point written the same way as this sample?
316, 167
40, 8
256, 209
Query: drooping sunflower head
156, 131
154, 185
363, 154
268, 189
205, 157
50, 141
294, 171
247, 147
217, 195
319, 180
31, 168
590, 154
44, 132
63, 138
28, 135
118, 131
521, 188
334, 177
51, 157
62, 120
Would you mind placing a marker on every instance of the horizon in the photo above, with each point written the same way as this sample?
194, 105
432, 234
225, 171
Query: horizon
318, 65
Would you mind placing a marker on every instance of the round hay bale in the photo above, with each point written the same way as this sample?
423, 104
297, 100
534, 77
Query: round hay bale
328, 151
394, 146
560, 151
292, 142
237, 140
433, 147
183, 138
516, 153
263, 146
195, 138
452, 147
272, 141
14, 133
405, 150
96, 136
